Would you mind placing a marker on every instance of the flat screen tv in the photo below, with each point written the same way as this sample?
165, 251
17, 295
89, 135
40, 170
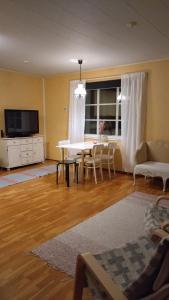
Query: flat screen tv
21, 122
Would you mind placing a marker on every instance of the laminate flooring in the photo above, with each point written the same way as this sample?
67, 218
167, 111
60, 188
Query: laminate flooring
35, 211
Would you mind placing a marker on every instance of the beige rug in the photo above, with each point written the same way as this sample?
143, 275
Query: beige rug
114, 226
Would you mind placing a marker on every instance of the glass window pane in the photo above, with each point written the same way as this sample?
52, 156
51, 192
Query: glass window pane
107, 112
91, 112
119, 128
108, 96
119, 111
91, 97
90, 127
109, 128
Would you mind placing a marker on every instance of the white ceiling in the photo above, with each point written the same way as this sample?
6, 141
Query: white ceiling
48, 33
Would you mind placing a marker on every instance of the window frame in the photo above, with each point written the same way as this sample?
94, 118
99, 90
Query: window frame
97, 105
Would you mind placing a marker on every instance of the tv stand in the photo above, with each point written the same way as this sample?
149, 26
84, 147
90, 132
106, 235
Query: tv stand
21, 151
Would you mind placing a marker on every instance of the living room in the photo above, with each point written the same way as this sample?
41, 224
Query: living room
36, 72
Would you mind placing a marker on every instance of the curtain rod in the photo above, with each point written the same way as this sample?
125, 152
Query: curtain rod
103, 78
118, 76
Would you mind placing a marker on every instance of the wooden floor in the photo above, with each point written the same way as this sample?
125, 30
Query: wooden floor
36, 211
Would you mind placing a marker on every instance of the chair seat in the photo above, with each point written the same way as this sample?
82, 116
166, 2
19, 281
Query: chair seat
124, 264
92, 160
106, 157
153, 169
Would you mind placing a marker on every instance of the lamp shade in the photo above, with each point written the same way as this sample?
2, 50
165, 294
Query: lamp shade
80, 91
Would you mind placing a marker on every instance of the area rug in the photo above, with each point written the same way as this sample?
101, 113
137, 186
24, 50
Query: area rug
113, 227
25, 175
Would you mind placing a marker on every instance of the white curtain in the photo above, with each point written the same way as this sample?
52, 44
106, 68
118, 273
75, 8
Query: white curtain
133, 110
76, 115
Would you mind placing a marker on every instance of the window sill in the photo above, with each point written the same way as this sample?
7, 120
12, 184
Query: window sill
96, 137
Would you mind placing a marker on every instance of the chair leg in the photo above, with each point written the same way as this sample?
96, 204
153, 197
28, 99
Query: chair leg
57, 170
94, 171
67, 175
114, 168
164, 184
109, 168
134, 178
87, 172
101, 171
76, 172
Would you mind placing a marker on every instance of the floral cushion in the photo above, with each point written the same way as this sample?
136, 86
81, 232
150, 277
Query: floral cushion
155, 215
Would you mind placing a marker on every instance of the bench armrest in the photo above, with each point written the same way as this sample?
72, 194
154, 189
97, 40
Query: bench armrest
160, 198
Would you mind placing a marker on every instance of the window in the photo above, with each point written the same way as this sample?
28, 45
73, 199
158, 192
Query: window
103, 107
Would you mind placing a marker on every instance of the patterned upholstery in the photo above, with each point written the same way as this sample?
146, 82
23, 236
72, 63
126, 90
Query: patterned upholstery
155, 215
134, 268
124, 264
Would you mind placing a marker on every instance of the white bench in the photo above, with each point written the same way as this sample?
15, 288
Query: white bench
152, 159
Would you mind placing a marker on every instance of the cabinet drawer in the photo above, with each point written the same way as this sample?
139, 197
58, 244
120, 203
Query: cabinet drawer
26, 141
13, 142
37, 140
26, 160
26, 147
26, 154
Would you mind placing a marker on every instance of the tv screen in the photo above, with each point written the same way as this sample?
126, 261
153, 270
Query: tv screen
21, 122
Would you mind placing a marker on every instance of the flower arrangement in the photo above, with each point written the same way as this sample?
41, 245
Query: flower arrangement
101, 127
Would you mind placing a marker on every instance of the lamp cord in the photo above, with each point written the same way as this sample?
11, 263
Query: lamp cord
80, 63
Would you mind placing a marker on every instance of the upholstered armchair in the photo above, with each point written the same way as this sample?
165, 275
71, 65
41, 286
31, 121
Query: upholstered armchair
138, 270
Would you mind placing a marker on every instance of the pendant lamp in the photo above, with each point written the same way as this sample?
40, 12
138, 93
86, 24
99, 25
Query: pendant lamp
80, 91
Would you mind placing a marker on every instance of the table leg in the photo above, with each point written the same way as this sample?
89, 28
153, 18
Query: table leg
82, 166
67, 175
63, 168
57, 170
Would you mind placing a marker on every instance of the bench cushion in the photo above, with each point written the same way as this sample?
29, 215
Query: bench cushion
153, 169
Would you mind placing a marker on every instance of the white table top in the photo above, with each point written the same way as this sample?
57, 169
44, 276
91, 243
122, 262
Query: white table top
80, 146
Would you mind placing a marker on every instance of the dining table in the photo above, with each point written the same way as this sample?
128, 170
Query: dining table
81, 147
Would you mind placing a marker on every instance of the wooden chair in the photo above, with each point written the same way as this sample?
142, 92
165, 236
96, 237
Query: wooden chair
95, 161
138, 270
108, 158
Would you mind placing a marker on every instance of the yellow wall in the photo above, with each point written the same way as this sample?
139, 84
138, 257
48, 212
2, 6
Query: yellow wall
20, 91
57, 99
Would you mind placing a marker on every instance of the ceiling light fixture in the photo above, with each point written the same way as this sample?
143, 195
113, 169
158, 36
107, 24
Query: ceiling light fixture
74, 60
131, 24
80, 91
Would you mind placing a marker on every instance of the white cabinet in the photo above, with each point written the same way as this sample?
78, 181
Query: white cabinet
14, 157
15, 152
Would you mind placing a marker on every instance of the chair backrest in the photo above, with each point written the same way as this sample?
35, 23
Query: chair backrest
111, 149
97, 151
63, 142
